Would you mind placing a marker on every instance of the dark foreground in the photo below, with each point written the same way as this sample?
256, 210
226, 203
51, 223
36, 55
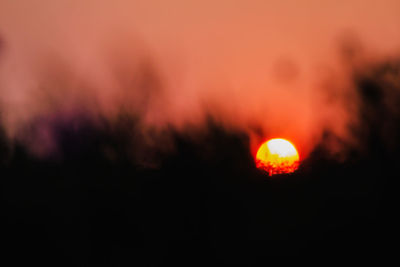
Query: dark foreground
104, 199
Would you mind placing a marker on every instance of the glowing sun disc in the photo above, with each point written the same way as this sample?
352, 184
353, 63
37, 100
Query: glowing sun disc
277, 156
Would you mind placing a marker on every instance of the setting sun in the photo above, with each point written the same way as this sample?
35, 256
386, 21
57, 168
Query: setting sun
277, 156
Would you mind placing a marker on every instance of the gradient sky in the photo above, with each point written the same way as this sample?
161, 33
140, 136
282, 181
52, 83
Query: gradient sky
263, 64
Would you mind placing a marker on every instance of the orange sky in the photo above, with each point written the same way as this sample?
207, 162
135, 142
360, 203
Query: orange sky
260, 63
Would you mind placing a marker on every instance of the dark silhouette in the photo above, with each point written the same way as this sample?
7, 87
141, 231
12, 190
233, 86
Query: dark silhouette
203, 201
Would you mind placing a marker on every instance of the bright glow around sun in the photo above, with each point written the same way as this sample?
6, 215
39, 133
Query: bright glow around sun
277, 156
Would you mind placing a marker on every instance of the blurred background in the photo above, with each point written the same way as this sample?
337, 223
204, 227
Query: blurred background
128, 131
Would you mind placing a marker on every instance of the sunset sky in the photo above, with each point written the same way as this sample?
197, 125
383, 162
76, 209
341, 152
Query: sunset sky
266, 65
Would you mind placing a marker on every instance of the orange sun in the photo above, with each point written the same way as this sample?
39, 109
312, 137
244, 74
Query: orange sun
277, 156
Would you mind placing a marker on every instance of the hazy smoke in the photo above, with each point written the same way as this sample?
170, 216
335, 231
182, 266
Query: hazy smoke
268, 68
